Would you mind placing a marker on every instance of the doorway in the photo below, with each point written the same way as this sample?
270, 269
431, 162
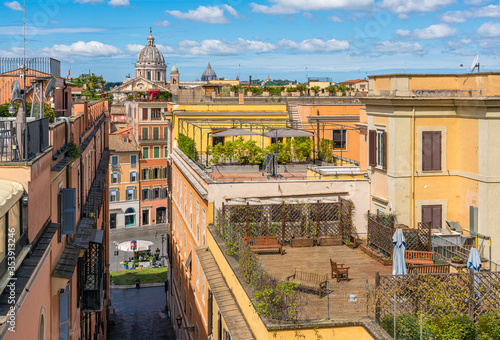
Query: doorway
161, 214
145, 217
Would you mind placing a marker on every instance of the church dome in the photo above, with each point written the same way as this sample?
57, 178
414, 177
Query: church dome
174, 69
208, 74
150, 54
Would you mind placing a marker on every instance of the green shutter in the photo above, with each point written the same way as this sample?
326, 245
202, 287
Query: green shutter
156, 151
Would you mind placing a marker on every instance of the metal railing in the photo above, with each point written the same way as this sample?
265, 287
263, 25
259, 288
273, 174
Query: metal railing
21, 141
41, 64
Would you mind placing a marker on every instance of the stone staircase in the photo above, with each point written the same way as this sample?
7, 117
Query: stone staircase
294, 116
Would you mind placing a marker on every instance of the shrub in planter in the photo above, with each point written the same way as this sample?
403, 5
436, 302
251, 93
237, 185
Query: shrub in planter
488, 326
452, 328
407, 326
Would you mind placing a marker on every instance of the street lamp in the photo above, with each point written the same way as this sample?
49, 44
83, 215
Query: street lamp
163, 238
179, 324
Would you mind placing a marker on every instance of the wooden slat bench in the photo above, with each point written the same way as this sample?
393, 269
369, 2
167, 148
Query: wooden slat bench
429, 269
264, 242
419, 257
310, 280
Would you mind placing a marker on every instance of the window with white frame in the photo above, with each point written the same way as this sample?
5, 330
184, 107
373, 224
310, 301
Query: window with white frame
198, 221
133, 176
146, 194
197, 273
185, 243
130, 194
203, 225
115, 178
185, 199
113, 195
203, 279
133, 161
156, 173
191, 210
380, 148
156, 193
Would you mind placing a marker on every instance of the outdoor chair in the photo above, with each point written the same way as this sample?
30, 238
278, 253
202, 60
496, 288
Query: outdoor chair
340, 272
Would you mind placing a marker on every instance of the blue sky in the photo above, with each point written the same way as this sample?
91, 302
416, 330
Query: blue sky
340, 39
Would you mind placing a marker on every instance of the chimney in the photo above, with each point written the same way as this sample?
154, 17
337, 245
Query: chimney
250, 80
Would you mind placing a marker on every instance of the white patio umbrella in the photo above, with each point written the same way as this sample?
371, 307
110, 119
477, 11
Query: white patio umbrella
398, 256
141, 245
474, 260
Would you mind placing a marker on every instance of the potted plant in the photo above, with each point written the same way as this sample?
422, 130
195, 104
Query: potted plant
349, 244
457, 260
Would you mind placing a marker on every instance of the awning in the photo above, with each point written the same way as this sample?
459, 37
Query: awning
10, 194
235, 133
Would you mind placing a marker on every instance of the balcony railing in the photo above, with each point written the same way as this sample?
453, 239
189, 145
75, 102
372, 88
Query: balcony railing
33, 66
92, 278
21, 141
96, 194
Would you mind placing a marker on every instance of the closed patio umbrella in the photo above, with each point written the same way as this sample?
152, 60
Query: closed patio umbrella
474, 260
398, 256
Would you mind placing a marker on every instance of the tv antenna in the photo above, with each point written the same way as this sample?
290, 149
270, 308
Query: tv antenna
475, 63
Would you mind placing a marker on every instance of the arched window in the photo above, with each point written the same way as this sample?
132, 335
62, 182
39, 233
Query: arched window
129, 217
174, 81
41, 329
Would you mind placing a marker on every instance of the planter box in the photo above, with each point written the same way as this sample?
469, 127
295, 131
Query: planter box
292, 168
235, 168
302, 242
376, 256
330, 241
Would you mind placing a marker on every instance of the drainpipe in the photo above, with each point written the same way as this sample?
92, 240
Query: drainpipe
66, 119
413, 212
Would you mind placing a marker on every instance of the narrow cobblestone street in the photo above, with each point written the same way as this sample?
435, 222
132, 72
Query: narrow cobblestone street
140, 314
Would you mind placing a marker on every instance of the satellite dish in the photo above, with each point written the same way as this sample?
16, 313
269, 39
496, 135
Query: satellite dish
474, 63
50, 89
16, 90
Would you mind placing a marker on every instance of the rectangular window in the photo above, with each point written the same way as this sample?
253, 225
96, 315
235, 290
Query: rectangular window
155, 114
115, 178
191, 210
165, 172
156, 173
146, 173
133, 161
146, 194
431, 150
112, 221
185, 243
203, 279
165, 132
156, 133
197, 273
203, 226
144, 114
113, 195
339, 137
433, 214
145, 152
156, 193
185, 199
130, 194
133, 176
145, 133
165, 192
198, 221
114, 162
156, 152
165, 151
377, 140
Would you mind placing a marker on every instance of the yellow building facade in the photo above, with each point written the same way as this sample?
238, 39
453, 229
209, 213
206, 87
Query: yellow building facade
433, 141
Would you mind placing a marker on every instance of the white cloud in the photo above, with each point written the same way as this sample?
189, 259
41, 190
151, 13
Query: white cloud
81, 48
398, 47
119, 3
411, 6
206, 14
92, 2
54, 22
309, 16
403, 16
222, 47
435, 32
335, 18
32, 30
133, 48
489, 29
257, 46
163, 23
402, 33
13, 5
295, 6
315, 45
491, 11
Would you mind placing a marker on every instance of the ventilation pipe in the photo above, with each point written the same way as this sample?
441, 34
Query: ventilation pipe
66, 119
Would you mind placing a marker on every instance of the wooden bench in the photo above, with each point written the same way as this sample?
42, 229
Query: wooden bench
341, 272
310, 280
429, 269
264, 242
419, 257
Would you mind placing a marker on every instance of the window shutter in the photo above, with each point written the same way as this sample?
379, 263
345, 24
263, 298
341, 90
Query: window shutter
426, 151
144, 114
68, 220
372, 141
384, 146
427, 214
64, 314
473, 219
436, 216
436, 150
